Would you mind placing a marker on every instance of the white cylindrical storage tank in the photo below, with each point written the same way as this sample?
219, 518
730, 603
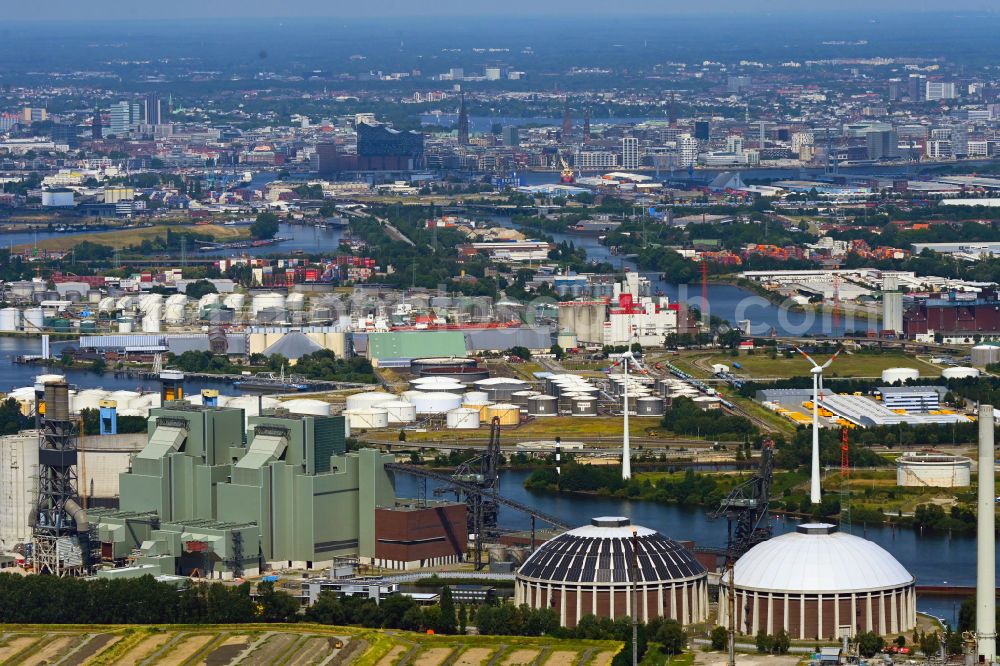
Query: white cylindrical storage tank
450, 387
248, 403
566, 340
106, 304
583, 406
368, 399
88, 399
234, 301
476, 398
543, 405
410, 395
34, 320
151, 320
125, 325
436, 402
270, 300
400, 411
368, 418
959, 373
10, 320
509, 415
175, 309
649, 406
983, 355
295, 301
124, 399
462, 418
893, 375
937, 470
307, 406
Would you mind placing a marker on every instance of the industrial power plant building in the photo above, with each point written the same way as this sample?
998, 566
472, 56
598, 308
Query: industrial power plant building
588, 571
819, 584
199, 500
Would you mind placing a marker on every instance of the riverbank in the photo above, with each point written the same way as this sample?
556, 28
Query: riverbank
120, 239
822, 309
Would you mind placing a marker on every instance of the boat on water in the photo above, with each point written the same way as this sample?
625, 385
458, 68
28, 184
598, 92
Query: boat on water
268, 381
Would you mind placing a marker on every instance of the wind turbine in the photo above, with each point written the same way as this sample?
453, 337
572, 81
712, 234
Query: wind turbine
817, 374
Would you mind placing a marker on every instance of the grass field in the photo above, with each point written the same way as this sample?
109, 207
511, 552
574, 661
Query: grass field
846, 365
288, 645
125, 237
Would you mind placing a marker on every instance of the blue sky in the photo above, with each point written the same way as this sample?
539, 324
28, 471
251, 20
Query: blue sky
174, 9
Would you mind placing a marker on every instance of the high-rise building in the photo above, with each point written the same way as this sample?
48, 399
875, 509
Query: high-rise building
892, 311
882, 145
687, 148
121, 118
630, 153
702, 130
916, 87
463, 123
152, 109
510, 135
738, 84
586, 125
938, 90
34, 114
96, 129
567, 122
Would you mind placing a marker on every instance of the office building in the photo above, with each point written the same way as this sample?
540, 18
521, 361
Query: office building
31, 114
630, 153
702, 130
916, 87
687, 148
121, 119
939, 90
882, 145
152, 109
510, 135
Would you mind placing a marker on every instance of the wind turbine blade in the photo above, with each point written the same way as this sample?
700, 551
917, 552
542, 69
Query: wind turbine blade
808, 357
832, 359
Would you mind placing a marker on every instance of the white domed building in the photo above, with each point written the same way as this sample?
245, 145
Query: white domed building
588, 571
817, 583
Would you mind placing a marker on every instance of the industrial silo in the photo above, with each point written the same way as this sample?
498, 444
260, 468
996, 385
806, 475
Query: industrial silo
462, 418
584, 406
983, 355
509, 415
400, 411
543, 405
649, 406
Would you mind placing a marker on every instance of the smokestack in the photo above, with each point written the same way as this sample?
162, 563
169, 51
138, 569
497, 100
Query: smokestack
986, 624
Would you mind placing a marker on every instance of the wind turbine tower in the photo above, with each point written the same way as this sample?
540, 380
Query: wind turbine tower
817, 375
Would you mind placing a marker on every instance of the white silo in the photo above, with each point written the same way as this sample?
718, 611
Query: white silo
34, 320
235, 301
462, 418
151, 319
295, 301
959, 372
269, 300
307, 406
400, 411
368, 399
893, 375
106, 304
10, 320
437, 402
367, 418
173, 311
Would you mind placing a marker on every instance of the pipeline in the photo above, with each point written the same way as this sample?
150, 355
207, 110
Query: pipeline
79, 515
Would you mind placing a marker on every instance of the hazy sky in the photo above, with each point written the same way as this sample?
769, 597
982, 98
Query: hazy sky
103, 10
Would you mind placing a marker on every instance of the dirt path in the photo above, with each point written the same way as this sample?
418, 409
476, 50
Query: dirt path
184, 650
51, 652
433, 657
16, 645
391, 656
144, 649
561, 658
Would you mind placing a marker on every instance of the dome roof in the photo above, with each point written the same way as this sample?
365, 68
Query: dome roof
818, 558
602, 553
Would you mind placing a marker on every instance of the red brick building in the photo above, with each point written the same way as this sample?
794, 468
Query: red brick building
410, 536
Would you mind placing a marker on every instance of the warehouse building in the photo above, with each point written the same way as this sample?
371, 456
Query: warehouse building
865, 412
912, 398
586, 571
819, 584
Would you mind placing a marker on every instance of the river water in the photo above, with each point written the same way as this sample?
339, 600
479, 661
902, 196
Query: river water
933, 558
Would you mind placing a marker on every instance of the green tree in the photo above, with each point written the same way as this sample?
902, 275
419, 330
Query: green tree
449, 620
671, 637
869, 644
463, 619
719, 638
199, 288
265, 226
782, 642
764, 642
930, 644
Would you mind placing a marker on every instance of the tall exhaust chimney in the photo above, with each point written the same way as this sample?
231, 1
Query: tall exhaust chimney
986, 624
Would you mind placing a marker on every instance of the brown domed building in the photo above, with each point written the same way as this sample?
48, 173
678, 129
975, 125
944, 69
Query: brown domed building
588, 571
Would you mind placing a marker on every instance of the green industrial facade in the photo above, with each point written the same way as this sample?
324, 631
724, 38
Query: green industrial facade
204, 495
415, 344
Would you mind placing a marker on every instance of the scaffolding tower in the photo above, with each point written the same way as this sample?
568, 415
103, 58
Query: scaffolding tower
60, 530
